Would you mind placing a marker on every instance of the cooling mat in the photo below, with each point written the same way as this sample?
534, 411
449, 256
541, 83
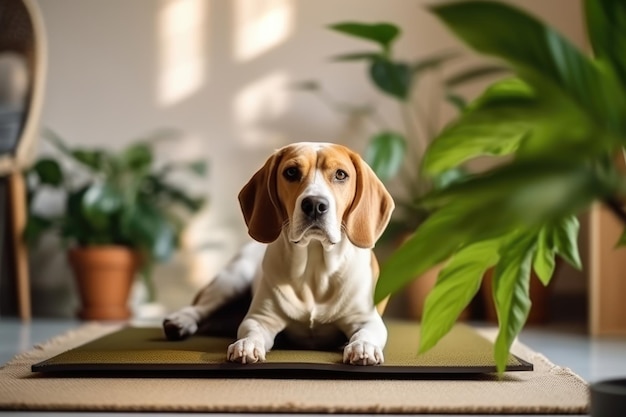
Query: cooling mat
145, 350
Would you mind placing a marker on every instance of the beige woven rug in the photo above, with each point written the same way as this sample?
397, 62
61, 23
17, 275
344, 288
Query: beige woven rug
548, 389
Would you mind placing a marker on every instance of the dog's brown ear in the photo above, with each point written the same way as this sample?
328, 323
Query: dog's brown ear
371, 208
259, 203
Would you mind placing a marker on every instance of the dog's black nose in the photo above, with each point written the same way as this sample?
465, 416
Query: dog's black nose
314, 207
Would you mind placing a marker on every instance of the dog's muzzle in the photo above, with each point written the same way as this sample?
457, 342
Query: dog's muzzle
315, 220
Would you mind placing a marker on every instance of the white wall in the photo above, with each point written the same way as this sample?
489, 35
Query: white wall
219, 71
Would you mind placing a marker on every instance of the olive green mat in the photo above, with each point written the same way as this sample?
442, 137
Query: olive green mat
547, 389
136, 349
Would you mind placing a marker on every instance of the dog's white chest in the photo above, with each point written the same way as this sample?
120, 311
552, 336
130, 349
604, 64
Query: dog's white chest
314, 288
307, 306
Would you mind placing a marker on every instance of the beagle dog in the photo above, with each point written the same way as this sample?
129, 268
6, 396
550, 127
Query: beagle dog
315, 211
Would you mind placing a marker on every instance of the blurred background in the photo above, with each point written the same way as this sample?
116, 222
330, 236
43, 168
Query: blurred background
221, 73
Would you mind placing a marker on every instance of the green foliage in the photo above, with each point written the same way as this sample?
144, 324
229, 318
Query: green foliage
391, 151
385, 153
112, 198
560, 124
459, 281
382, 33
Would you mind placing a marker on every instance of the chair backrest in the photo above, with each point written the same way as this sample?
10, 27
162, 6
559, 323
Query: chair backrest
22, 82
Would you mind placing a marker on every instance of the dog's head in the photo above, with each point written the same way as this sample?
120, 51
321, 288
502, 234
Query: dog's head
316, 191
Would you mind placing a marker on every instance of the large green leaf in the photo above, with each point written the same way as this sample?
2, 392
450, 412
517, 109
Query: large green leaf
495, 124
510, 117
528, 191
392, 78
456, 286
511, 283
75, 226
385, 154
522, 195
441, 235
540, 56
447, 178
147, 227
606, 20
558, 237
523, 192
409, 261
381, 33
543, 258
565, 240
99, 203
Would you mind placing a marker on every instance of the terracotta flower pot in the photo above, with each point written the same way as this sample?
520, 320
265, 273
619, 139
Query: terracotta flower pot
104, 275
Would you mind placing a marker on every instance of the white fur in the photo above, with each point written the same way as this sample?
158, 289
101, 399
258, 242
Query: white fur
310, 282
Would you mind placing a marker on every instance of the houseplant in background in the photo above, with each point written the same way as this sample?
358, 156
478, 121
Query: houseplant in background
121, 215
561, 122
419, 89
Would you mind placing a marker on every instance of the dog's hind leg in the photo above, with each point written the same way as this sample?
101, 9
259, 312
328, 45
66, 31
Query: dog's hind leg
230, 284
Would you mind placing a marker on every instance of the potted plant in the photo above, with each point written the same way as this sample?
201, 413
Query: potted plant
561, 122
121, 215
395, 151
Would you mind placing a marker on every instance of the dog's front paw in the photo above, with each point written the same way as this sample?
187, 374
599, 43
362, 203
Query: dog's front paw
246, 350
178, 326
361, 352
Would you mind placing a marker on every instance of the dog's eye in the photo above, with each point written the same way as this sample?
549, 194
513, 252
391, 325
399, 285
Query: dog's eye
341, 175
291, 174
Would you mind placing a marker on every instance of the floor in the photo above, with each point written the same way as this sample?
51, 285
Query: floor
593, 359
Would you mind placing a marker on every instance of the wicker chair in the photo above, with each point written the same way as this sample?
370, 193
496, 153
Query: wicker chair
22, 79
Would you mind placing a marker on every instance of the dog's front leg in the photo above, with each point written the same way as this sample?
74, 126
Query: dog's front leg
366, 340
256, 333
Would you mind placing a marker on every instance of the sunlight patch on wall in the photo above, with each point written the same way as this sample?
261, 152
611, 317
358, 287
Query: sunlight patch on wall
182, 55
261, 25
257, 106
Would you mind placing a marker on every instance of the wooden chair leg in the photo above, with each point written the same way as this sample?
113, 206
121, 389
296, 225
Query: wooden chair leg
18, 218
